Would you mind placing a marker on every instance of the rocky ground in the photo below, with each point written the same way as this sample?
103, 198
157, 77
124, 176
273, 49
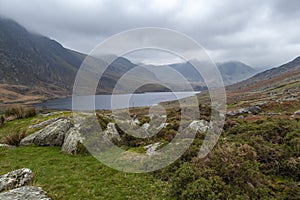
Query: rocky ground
66, 131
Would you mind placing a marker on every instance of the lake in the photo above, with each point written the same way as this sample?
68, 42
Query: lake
115, 101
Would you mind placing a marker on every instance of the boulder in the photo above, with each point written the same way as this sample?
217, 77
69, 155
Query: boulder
51, 135
72, 138
7, 146
199, 125
25, 193
111, 132
145, 126
52, 113
151, 148
15, 179
297, 112
255, 110
238, 112
44, 123
162, 125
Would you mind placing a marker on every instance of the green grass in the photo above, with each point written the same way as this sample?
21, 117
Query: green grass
79, 177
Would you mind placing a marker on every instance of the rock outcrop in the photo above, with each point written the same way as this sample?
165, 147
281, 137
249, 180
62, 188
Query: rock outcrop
255, 110
151, 148
297, 112
72, 138
15, 179
111, 133
146, 126
199, 125
25, 193
7, 146
250, 110
16, 182
51, 135
44, 123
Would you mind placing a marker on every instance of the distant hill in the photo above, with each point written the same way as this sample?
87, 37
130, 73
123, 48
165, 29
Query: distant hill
282, 75
231, 72
234, 71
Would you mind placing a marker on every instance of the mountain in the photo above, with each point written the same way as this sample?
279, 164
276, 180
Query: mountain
33, 65
231, 72
188, 71
234, 71
25, 55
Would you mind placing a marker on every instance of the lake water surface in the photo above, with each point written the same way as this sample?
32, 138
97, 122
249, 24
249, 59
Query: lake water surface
114, 101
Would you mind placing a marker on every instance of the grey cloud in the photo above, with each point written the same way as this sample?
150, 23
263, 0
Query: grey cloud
260, 33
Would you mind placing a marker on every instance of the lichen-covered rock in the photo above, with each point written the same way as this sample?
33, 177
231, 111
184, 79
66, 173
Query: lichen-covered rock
15, 179
199, 125
145, 126
249, 110
297, 112
44, 123
151, 148
238, 112
51, 135
72, 138
255, 109
7, 146
25, 193
111, 133
162, 125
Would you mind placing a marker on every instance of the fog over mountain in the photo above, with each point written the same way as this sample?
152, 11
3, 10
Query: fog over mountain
259, 33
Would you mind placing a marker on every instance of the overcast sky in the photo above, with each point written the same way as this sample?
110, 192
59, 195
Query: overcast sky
259, 33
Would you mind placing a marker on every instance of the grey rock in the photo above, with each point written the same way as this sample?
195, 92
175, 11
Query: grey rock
72, 138
44, 123
241, 117
145, 126
255, 109
162, 125
297, 112
15, 179
134, 122
151, 148
199, 125
238, 112
252, 109
52, 113
51, 135
270, 114
111, 132
6, 145
25, 193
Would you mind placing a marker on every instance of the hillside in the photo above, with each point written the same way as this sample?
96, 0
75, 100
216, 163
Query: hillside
271, 78
280, 84
234, 71
34, 67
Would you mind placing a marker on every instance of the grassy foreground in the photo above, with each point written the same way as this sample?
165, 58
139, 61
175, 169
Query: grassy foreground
256, 157
79, 177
